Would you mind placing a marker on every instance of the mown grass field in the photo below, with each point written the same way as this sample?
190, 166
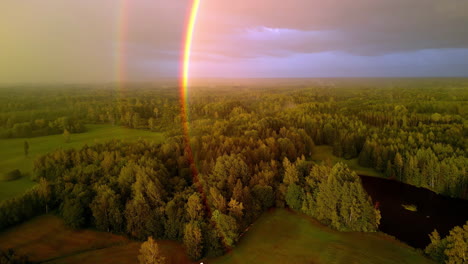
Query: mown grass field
12, 151
325, 153
46, 239
281, 236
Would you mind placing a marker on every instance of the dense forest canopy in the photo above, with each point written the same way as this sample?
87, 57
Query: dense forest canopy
249, 150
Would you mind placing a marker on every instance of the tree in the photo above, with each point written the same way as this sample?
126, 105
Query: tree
193, 240
453, 249
290, 172
436, 248
327, 199
264, 196
343, 203
150, 253
106, 209
195, 208
225, 228
45, 192
218, 200
26, 148
236, 209
138, 215
294, 196
152, 123
175, 215
66, 135
457, 245
399, 165
73, 213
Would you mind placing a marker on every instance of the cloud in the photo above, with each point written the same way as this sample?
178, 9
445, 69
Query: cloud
65, 40
361, 27
421, 63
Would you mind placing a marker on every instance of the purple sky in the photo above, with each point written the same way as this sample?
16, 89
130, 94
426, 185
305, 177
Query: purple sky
68, 41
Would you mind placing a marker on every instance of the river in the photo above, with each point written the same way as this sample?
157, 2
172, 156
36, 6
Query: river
434, 211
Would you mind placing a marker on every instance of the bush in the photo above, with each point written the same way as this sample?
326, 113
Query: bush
11, 176
21, 208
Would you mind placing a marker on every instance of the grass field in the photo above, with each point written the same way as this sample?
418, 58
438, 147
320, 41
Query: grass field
53, 242
324, 153
12, 152
280, 236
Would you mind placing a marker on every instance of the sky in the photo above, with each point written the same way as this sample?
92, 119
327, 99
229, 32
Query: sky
142, 40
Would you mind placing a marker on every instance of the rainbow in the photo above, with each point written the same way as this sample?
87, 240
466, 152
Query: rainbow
184, 85
121, 78
121, 49
121, 57
184, 80
188, 45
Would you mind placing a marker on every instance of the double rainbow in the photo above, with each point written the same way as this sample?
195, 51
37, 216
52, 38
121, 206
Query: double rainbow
121, 55
121, 50
183, 85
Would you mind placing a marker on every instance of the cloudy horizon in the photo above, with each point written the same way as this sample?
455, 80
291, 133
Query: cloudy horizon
69, 41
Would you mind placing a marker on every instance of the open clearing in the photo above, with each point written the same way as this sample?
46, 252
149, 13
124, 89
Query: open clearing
281, 236
46, 239
12, 151
278, 236
325, 153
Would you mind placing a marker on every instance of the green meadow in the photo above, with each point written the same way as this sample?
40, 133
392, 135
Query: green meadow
324, 153
12, 151
281, 236
278, 236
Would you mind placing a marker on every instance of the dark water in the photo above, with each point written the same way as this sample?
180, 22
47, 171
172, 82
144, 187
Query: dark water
433, 211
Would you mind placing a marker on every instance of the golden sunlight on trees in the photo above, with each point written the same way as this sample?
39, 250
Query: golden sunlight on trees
150, 253
453, 249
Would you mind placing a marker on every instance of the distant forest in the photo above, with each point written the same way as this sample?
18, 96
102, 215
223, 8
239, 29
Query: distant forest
248, 150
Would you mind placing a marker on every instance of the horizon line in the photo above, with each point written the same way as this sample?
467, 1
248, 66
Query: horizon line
177, 79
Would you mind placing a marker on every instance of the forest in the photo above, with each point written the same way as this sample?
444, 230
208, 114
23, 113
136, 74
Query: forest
247, 149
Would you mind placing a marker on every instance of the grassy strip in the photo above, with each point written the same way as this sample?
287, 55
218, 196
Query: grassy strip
324, 153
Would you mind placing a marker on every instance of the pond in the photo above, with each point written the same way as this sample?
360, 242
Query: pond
410, 213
